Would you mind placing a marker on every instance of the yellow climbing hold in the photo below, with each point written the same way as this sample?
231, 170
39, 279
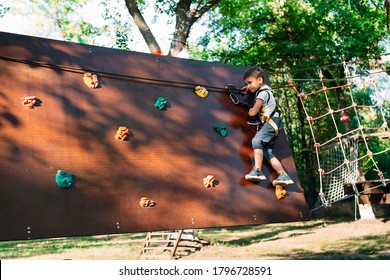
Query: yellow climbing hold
201, 91
145, 202
209, 181
91, 80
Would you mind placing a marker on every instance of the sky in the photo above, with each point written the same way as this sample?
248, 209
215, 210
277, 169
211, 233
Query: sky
28, 23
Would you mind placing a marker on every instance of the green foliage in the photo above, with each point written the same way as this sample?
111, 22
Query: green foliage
290, 39
73, 21
3, 10
119, 23
165, 7
295, 33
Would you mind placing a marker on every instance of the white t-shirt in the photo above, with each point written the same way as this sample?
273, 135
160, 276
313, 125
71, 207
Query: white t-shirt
269, 103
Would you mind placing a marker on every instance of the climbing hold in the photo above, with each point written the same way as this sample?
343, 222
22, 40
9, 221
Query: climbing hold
344, 117
161, 103
221, 129
280, 192
64, 179
145, 202
209, 181
91, 80
122, 133
29, 101
201, 91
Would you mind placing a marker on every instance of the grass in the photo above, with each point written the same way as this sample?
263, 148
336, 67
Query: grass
31, 248
271, 241
238, 236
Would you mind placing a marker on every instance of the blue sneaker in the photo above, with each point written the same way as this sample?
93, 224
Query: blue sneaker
255, 175
283, 179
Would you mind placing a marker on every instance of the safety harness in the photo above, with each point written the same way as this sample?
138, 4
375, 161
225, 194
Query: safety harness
269, 119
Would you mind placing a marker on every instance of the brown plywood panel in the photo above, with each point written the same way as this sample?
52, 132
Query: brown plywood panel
165, 159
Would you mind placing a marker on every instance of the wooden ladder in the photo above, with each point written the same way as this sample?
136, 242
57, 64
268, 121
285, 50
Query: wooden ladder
179, 242
161, 241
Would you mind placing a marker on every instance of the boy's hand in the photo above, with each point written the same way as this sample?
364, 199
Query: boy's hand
244, 90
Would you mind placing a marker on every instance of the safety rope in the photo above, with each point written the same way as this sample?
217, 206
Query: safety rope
109, 74
341, 149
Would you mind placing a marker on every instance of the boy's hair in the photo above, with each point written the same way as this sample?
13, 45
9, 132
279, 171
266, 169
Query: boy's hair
255, 72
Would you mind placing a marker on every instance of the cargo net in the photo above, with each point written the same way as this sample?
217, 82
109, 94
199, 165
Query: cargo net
339, 158
339, 167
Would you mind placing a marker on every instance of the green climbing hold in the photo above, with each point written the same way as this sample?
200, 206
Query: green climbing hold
221, 129
64, 179
161, 103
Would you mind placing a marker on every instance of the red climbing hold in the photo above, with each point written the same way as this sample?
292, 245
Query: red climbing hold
344, 117
30, 101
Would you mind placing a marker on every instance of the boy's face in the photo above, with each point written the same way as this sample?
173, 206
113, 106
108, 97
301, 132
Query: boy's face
253, 84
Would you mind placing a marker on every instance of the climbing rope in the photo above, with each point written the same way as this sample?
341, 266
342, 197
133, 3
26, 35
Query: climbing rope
103, 74
338, 157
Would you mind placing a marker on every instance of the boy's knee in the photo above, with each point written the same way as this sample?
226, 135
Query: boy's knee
256, 144
268, 150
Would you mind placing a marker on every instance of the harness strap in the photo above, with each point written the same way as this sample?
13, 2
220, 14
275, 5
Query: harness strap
272, 123
268, 119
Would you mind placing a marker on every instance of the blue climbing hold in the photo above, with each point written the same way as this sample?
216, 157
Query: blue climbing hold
64, 179
220, 129
161, 103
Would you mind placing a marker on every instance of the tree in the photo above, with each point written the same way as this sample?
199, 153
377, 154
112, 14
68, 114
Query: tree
284, 36
68, 21
186, 12
3, 10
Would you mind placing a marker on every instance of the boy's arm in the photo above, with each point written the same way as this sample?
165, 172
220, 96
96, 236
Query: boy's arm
256, 108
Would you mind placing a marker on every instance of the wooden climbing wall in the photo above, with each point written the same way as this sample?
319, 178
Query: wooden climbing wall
166, 157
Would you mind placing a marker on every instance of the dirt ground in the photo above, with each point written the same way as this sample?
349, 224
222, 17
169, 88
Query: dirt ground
361, 239
316, 243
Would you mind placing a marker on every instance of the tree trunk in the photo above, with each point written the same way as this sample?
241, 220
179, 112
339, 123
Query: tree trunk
185, 18
143, 26
307, 159
387, 6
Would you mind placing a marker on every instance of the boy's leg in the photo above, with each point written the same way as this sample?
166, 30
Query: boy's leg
282, 179
256, 174
276, 165
258, 155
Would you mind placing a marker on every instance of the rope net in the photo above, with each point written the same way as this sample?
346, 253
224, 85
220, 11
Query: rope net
340, 155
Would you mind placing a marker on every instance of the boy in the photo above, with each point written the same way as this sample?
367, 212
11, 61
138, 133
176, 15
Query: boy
263, 141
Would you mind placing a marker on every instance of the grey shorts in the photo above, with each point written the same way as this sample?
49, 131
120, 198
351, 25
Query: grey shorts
265, 138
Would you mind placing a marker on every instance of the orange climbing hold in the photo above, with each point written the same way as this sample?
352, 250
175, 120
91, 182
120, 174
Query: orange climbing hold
122, 133
30, 101
280, 192
91, 80
145, 202
209, 181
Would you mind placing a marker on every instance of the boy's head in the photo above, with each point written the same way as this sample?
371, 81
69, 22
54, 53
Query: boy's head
254, 78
